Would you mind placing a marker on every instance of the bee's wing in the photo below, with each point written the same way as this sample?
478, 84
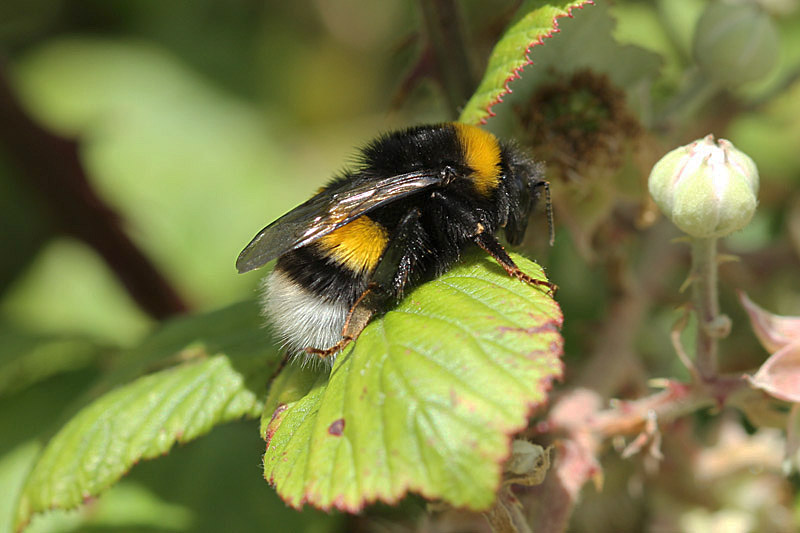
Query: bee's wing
327, 211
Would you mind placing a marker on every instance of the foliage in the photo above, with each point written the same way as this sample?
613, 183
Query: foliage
193, 126
511, 55
426, 400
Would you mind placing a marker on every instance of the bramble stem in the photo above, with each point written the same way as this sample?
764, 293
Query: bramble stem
446, 37
710, 325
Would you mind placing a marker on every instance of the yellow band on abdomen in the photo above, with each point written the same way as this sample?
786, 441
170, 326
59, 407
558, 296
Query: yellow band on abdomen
357, 245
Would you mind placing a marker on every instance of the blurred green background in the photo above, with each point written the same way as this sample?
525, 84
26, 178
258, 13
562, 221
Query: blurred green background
199, 122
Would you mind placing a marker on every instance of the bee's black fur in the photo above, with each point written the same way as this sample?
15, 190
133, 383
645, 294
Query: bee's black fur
429, 229
310, 268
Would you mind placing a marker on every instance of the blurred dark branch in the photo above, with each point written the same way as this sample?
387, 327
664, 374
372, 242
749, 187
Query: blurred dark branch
445, 35
50, 166
421, 69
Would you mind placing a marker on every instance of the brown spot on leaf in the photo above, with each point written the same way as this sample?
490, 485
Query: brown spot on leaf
272, 427
454, 399
336, 428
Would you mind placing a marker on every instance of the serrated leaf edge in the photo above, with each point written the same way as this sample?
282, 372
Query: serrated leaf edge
544, 384
487, 111
24, 511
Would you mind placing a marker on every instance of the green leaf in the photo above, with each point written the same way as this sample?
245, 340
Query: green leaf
50, 297
627, 66
511, 55
29, 358
227, 361
426, 400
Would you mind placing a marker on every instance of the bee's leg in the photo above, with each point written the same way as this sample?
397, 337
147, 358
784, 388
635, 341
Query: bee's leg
492, 247
393, 273
489, 243
357, 319
388, 280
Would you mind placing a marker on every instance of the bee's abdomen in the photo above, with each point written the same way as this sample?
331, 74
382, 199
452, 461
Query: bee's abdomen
312, 289
299, 317
357, 246
321, 275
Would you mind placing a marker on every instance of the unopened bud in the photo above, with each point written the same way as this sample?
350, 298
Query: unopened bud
707, 189
735, 43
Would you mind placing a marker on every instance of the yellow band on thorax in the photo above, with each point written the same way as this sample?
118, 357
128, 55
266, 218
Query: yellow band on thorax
357, 245
482, 154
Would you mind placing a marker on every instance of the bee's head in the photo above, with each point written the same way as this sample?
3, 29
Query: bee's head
524, 183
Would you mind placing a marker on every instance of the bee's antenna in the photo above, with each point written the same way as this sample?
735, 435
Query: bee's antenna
548, 207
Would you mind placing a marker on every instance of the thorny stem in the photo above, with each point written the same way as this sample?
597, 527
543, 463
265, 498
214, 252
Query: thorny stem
675, 401
711, 326
582, 428
630, 417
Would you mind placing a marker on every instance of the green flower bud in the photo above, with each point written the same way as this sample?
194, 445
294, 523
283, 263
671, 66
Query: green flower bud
707, 189
735, 43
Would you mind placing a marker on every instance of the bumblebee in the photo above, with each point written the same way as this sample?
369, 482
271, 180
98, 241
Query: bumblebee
413, 202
